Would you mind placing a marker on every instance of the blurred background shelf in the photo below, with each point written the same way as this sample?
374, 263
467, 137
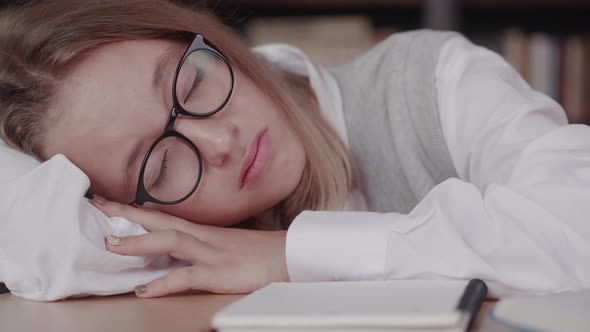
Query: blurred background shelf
462, 15
389, 3
547, 41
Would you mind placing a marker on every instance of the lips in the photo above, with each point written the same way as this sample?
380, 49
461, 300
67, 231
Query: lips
256, 157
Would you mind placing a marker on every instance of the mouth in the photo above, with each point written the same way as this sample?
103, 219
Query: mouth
256, 158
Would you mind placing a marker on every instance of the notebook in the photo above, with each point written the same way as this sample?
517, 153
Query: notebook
396, 305
567, 311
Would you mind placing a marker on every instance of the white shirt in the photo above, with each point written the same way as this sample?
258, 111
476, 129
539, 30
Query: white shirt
515, 218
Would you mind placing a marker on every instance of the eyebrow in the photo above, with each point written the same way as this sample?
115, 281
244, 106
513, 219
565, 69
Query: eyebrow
162, 63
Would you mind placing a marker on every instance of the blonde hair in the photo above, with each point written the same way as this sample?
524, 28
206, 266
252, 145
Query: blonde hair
40, 43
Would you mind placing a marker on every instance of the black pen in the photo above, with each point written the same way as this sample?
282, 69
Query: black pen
473, 296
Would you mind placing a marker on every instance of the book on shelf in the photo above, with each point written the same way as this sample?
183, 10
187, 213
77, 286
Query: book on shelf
572, 87
544, 64
586, 84
556, 65
515, 51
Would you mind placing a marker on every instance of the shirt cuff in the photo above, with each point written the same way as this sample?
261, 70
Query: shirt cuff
336, 245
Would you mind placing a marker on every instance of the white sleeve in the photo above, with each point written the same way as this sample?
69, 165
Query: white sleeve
517, 217
52, 238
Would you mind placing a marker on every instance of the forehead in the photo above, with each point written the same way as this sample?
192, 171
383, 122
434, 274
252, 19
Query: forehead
107, 103
115, 80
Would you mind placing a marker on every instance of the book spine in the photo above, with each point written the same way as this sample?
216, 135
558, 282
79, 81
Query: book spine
573, 79
585, 118
544, 64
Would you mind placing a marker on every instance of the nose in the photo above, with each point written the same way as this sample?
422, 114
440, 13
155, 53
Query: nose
216, 138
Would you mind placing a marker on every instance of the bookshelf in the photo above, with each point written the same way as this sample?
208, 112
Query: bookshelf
547, 41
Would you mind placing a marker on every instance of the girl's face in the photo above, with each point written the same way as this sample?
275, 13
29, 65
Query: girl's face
109, 112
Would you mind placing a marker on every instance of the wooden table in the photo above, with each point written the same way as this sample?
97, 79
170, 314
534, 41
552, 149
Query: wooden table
191, 312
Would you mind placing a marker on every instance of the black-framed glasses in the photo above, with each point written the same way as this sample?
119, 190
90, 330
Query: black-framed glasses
202, 85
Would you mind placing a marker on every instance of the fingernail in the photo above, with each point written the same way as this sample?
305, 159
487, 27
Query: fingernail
114, 240
139, 290
100, 200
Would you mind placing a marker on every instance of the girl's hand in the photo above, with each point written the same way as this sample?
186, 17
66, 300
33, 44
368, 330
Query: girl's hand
224, 260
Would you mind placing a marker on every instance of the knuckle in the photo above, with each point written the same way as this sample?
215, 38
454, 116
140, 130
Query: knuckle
173, 223
166, 283
188, 277
191, 277
175, 236
124, 208
114, 209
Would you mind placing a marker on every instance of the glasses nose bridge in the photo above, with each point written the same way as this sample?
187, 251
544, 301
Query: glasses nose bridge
172, 119
174, 115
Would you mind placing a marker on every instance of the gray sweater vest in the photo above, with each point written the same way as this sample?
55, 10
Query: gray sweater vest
391, 115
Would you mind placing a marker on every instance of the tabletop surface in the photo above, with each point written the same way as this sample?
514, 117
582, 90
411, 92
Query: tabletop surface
178, 313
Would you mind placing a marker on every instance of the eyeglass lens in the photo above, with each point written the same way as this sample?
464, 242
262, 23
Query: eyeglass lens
203, 82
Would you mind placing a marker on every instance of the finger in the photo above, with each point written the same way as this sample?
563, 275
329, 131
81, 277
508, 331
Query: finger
148, 218
153, 220
172, 242
179, 280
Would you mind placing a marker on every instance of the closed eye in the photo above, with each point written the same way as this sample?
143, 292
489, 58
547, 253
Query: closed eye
163, 171
196, 82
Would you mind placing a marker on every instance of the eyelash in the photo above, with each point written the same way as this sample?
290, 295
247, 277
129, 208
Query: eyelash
163, 170
197, 81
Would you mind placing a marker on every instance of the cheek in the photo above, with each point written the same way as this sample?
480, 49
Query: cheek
249, 99
203, 212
